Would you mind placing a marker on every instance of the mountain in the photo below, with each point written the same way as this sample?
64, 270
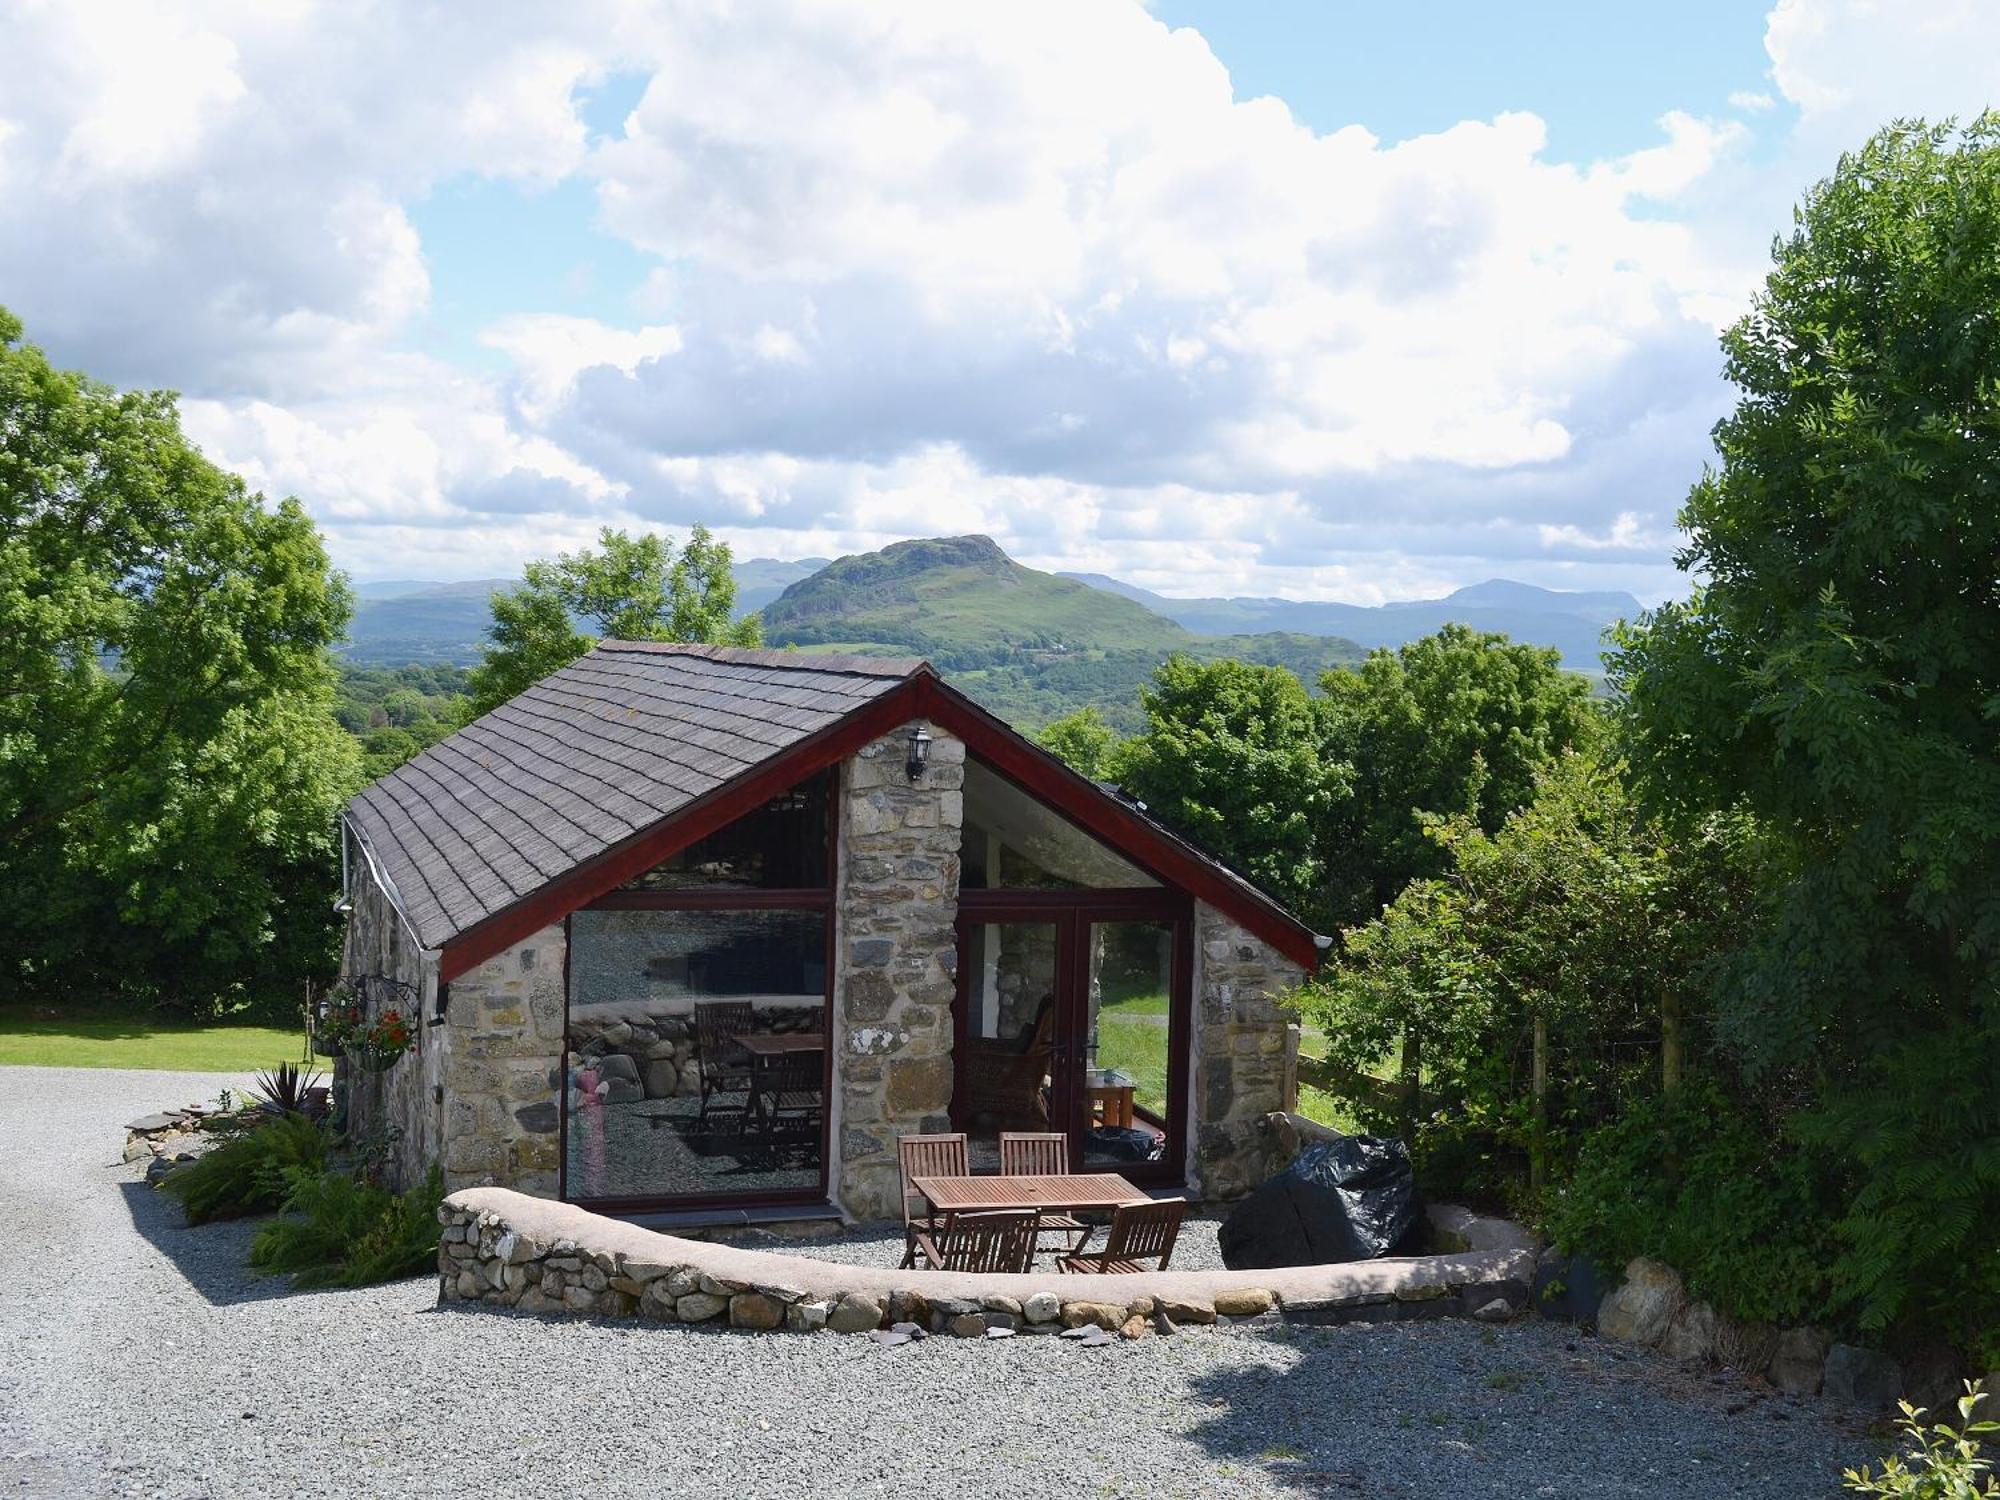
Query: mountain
1031, 646
1573, 623
399, 621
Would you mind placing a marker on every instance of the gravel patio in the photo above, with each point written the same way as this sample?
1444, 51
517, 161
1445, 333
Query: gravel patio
139, 1357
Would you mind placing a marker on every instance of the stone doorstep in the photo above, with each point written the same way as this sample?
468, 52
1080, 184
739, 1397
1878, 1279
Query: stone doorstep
610, 1268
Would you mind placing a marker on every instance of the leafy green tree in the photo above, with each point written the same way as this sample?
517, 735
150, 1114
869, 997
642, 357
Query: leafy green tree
169, 767
1456, 725
1082, 741
1231, 757
631, 589
1837, 672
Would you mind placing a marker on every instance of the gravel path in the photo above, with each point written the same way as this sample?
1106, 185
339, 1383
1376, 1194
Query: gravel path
138, 1357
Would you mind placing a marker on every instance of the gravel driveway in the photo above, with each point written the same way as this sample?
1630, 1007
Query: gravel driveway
138, 1357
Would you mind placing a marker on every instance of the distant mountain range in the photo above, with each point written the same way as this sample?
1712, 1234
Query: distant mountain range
1573, 623
1031, 645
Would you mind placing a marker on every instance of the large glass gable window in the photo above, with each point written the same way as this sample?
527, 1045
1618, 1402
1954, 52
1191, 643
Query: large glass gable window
1013, 841
698, 1019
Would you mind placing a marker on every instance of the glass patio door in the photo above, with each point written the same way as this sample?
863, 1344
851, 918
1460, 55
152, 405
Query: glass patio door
1072, 1016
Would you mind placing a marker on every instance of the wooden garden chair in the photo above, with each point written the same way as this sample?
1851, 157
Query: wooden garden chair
1044, 1153
1139, 1232
926, 1156
1003, 1242
722, 1067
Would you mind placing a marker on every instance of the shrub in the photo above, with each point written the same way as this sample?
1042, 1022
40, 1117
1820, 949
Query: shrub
247, 1173
1943, 1463
339, 1230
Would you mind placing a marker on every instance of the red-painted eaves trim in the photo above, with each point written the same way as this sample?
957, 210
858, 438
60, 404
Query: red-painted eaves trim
921, 696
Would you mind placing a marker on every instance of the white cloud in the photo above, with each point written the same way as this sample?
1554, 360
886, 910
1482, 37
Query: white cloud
1032, 270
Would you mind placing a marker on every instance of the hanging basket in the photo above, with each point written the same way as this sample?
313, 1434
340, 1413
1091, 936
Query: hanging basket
323, 1048
371, 1060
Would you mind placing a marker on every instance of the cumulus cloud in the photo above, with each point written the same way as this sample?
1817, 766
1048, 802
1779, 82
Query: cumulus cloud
1034, 270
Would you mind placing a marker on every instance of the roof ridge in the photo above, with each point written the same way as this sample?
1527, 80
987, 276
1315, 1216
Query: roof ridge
841, 663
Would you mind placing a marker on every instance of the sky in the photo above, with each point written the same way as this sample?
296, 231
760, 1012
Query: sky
1310, 298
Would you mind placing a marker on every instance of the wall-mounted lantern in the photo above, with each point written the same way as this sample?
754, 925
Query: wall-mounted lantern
920, 752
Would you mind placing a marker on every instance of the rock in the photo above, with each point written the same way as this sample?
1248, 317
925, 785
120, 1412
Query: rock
1931, 1383
1568, 1288
1644, 1307
909, 1307
888, 1337
1499, 1310
1861, 1377
699, 1307
995, 1319
999, 1333
1106, 1315
1001, 1304
1691, 1336
914, 1330
1798, 1361
1745, 1347
967, 1326
1187, 1312
643, 1271
579, 1299
1134, 1327
1243, 1302
755, 1310
1425, 1291
662, 1079
1163, 1325
1042, 1307
681, 1280
616, 1067
1141, 1307
715, 1286
807, 1317
857, 1312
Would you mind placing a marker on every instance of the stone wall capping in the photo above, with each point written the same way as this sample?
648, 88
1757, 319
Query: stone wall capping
697, 1281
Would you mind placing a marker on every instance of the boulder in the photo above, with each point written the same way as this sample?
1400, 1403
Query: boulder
617, 1066
807, 1317
1931, 1383
1042, 1307
1644, 1307
662, 1079
621, 1091
1134, 1327
699, 1307
857, 1312
1498, 1310
1240, 1302
1187, 1312
1106, 1315
1798, 1361
755, 1310
967, 1326
1691, 1336
1860, 1377
1568, 1288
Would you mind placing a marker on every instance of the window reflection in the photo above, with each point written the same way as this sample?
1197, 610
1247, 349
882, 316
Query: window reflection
696, 1053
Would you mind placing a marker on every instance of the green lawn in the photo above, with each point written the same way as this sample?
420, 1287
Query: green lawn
40, 1038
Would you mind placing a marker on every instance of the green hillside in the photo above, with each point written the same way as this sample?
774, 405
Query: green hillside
963, 603
1031, 646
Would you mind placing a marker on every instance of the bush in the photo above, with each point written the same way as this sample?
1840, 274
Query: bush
247, 1174
339, 1230
1725, 1199
1943, 1463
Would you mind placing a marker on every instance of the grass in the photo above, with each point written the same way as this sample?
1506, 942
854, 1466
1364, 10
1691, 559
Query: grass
37, 1037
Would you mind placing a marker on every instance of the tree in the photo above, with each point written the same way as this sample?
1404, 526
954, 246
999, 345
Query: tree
1456, 725
1231, 757
170, 771
631, 589
1082, 741
1837, 672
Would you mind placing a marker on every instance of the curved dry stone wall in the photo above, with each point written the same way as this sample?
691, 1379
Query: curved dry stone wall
506, 1249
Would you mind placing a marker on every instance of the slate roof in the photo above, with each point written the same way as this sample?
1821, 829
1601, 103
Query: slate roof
587, 757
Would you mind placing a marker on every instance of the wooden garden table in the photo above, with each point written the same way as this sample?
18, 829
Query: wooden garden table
1079, 1192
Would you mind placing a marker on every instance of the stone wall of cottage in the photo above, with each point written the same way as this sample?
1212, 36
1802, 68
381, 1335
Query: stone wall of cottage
1242, 1054
399, 1104
502, 1075
897, 964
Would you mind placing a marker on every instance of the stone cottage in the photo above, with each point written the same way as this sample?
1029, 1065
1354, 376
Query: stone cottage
692, 934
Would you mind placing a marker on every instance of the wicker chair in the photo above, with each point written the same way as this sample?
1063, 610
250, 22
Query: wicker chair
1006, 1080
1139, 1232
1043, 1154
724, 1067
926, 1156
1003, 1242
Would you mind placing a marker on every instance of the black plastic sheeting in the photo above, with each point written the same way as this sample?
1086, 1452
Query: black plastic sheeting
1350, 1199
1122, 1143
